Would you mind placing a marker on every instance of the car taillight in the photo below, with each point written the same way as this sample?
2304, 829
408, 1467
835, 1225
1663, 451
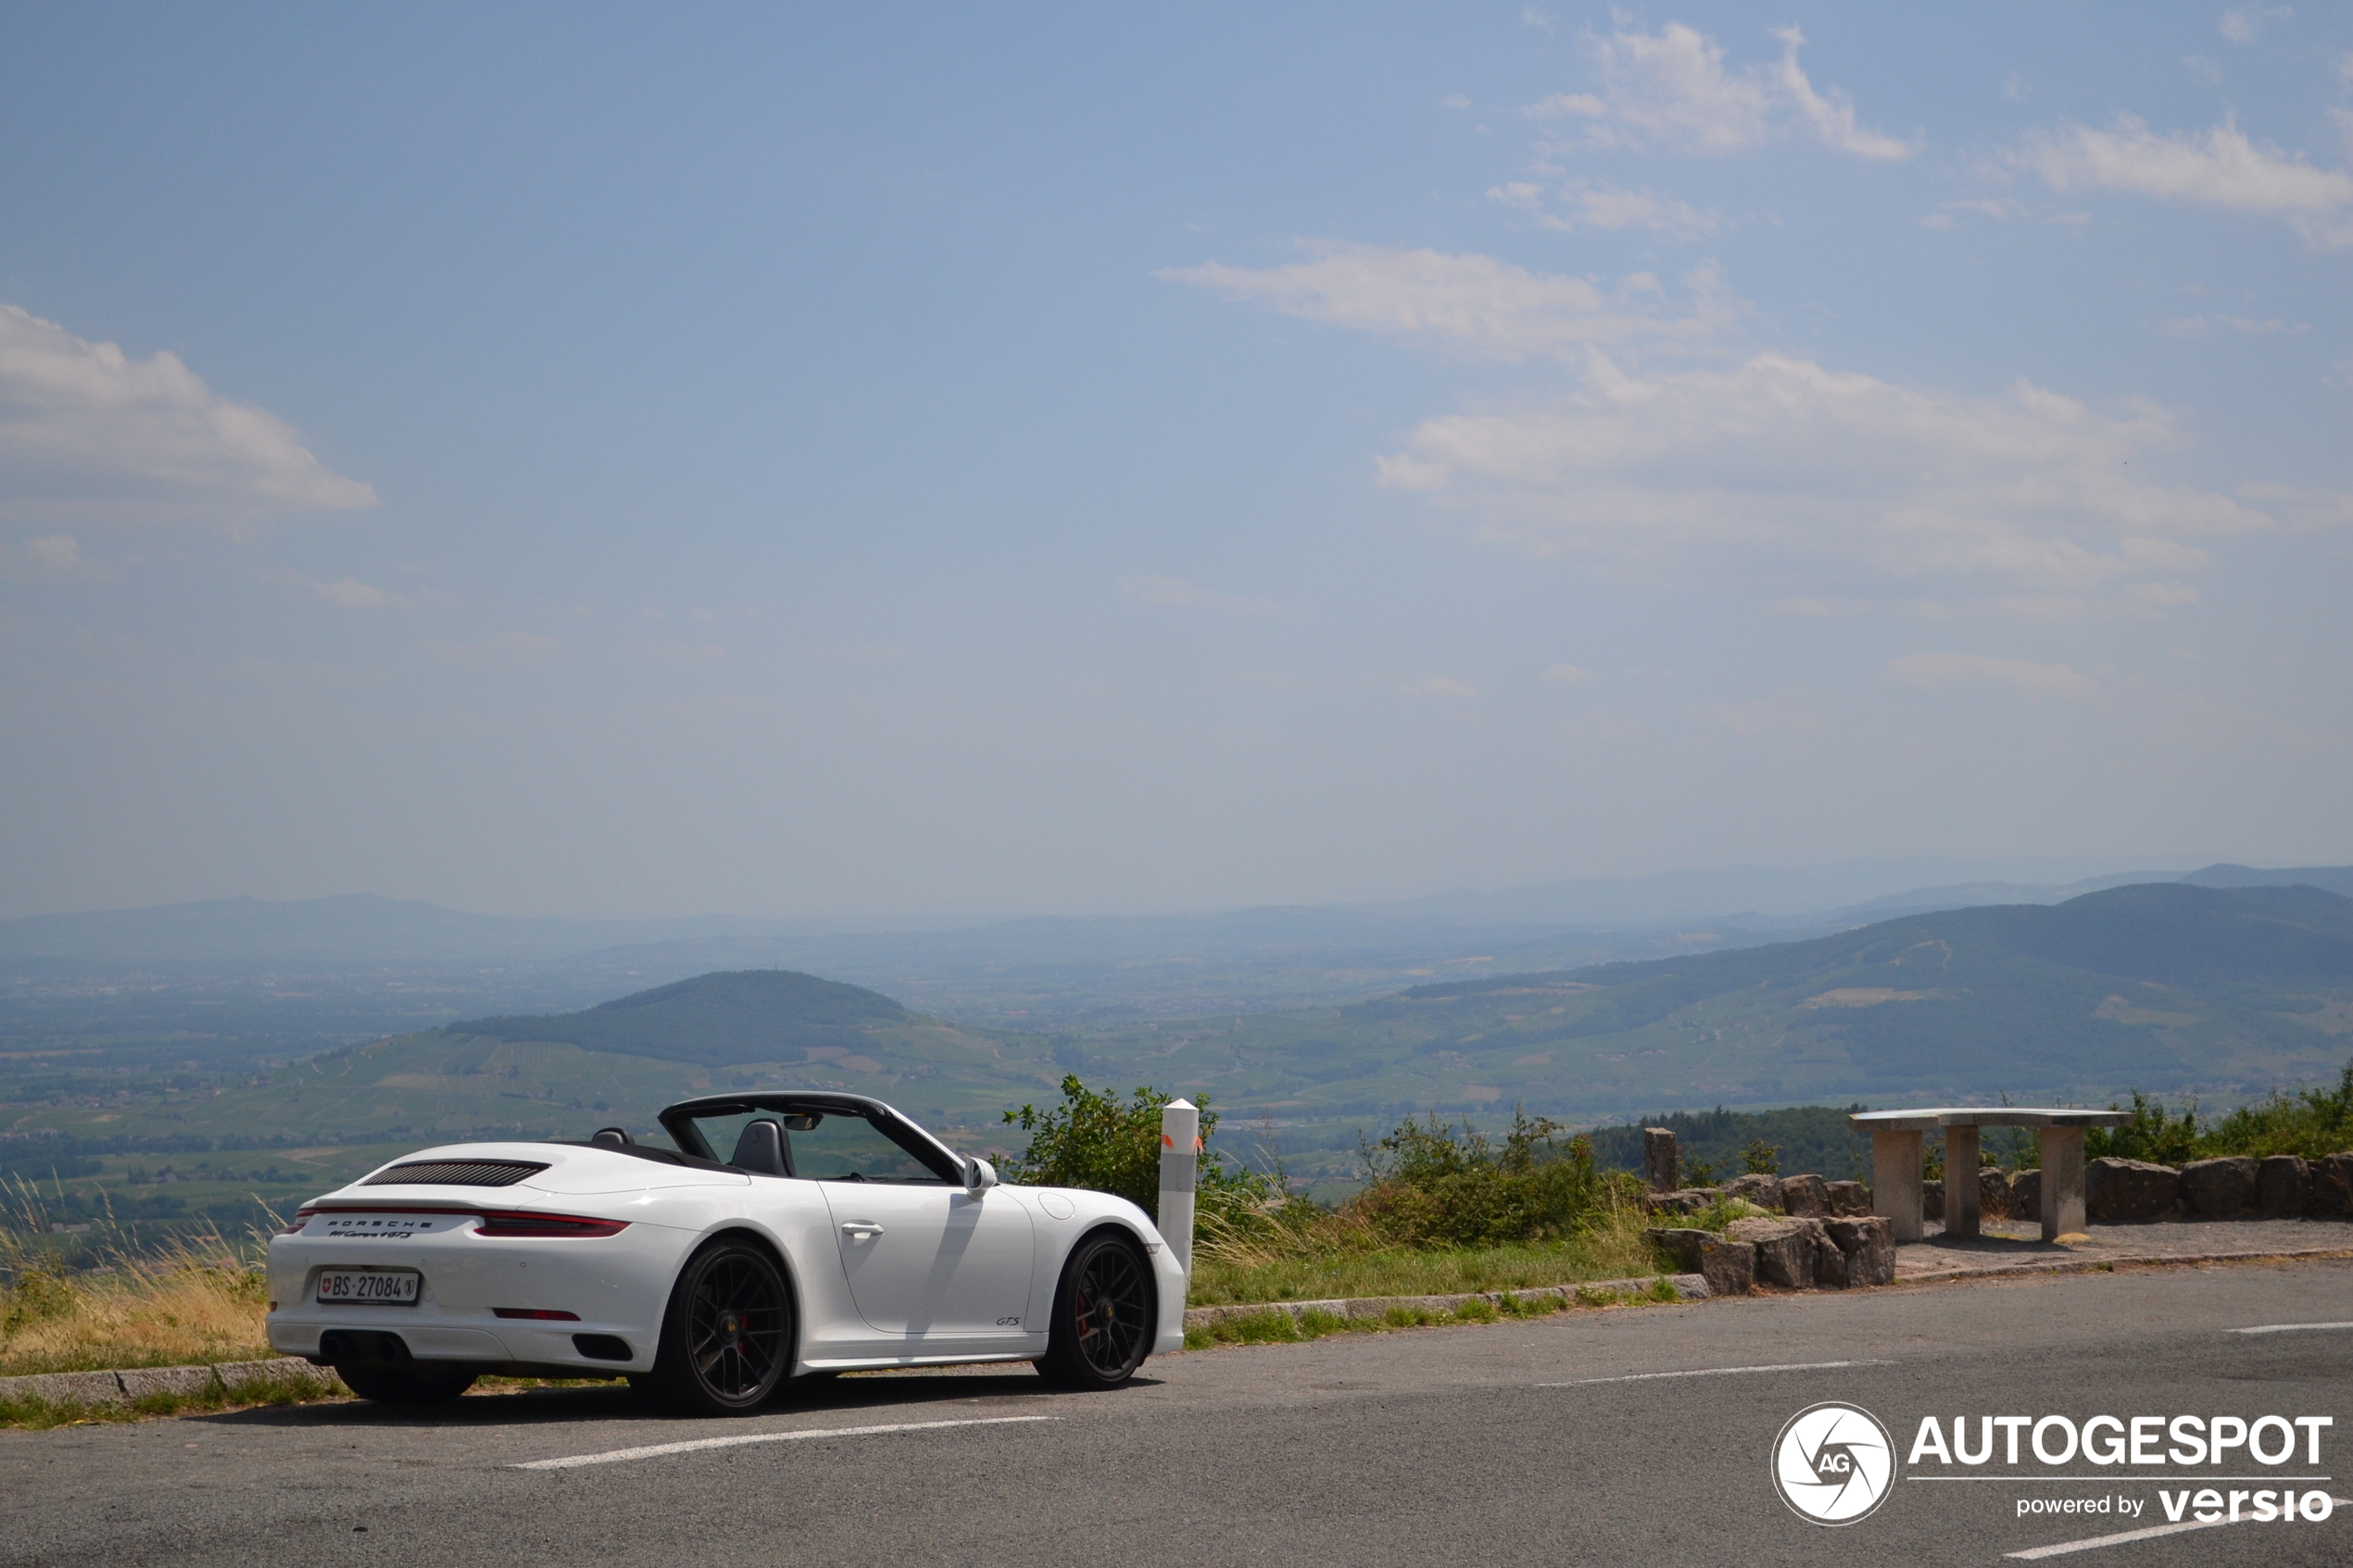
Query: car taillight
548, 1314
302, 1218
515, 1224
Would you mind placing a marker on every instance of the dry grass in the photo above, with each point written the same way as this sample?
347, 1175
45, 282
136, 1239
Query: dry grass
198, 1301
1324, 1254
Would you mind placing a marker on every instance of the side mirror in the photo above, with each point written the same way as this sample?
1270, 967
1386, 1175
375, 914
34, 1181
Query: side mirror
979, 1175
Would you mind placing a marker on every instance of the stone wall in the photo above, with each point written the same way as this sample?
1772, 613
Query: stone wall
2124, 1192
1826, 1239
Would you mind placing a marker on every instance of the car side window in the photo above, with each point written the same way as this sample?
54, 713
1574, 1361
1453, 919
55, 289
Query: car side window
850, 1149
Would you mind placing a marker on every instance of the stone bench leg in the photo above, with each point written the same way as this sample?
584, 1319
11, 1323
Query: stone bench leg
2062, 1182
1960, 1181
1895, 1180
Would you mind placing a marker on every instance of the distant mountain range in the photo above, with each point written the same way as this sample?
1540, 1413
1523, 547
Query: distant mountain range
2177, 988
362, 931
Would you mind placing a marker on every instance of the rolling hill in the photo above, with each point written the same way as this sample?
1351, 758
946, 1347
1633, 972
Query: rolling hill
2219, 993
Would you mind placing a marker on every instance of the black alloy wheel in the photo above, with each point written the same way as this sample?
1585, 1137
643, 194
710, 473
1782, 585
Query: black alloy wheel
726, 1339
403, 1385
1103, 1323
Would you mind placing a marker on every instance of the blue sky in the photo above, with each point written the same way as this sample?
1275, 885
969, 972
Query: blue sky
888, 460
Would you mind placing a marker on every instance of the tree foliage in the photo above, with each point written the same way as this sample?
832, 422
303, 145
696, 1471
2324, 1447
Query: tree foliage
1095, 1140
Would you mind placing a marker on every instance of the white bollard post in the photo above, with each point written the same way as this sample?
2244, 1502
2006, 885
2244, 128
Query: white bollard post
1179, 1159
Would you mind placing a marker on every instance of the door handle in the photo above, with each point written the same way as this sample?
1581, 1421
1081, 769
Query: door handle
860, 1227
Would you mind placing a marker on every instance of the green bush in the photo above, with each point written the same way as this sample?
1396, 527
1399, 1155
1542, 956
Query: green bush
1761, 1159
1095, 1140
1433, 1185
2151, 1135
2311, 1122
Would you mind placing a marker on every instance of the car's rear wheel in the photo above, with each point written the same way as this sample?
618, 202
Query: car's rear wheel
405, 1385
726, 1341
1102, 1326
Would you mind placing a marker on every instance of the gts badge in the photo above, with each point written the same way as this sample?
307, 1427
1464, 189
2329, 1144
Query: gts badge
1008, 1323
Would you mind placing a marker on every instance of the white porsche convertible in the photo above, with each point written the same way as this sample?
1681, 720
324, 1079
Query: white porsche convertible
834, 1234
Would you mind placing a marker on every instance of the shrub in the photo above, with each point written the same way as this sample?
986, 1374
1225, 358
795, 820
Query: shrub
2311, 1122
1761, 1159
1095, 1140
2149, 1135
1442, 1186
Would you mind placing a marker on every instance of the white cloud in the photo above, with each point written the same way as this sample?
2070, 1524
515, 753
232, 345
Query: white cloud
2243, 24
87, 429
1783, 713
1474, 305
1995, 207
1600, 204
2221, 168
1177, 591
1672, 89
1780, 458
352, 594
1437, 686
1569, 675
58, 551
1933, 672
508, 649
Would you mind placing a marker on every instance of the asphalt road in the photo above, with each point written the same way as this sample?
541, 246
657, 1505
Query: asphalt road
1503, 1444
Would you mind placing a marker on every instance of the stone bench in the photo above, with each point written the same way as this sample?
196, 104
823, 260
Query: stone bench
1896, 1164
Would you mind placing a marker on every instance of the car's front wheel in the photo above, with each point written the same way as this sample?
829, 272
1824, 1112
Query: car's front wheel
1102, 1326
405, 1385
726, 1341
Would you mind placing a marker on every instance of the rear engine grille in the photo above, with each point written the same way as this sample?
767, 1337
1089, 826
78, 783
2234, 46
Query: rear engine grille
456, 1173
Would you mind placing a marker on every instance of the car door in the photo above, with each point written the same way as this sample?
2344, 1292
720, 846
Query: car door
922, 1257
932, 1260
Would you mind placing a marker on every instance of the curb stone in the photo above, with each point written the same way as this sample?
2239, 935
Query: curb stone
137, 1382
1690, 1288
2091, 1263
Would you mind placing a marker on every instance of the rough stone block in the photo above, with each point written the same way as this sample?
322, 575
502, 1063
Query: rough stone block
1762, 1190
2283, 1186
1806, 1197
1681, 1245
1867, 1244
2333, 1186
1784, 1248
1931, 1200
2026, 1195
1689, 1200
1850, 1197
1830, 1265
1659, 1160
1993, 1193
2218, 1189
2127, 1192
1729, 1267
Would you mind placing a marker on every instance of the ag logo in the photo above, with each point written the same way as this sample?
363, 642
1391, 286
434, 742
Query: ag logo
1834, 1463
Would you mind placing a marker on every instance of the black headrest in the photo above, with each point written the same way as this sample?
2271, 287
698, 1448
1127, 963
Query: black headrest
761, 1149
613, 1137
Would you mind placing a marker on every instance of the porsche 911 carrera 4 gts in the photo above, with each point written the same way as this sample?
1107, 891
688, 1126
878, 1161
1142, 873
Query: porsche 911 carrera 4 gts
783, 1235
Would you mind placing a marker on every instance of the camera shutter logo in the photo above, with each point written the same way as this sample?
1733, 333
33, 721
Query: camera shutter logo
1834, 1463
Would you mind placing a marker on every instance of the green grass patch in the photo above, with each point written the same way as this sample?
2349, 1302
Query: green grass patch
41, 1415
1274, 1326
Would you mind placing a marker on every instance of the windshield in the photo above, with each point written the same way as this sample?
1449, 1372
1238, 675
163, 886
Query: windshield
822, 1146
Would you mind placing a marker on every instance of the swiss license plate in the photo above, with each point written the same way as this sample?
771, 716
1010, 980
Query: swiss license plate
374, 1287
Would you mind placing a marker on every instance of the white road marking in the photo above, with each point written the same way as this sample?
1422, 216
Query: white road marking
2063, 1547
655, 1450
2289, 1328
1713, 1372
